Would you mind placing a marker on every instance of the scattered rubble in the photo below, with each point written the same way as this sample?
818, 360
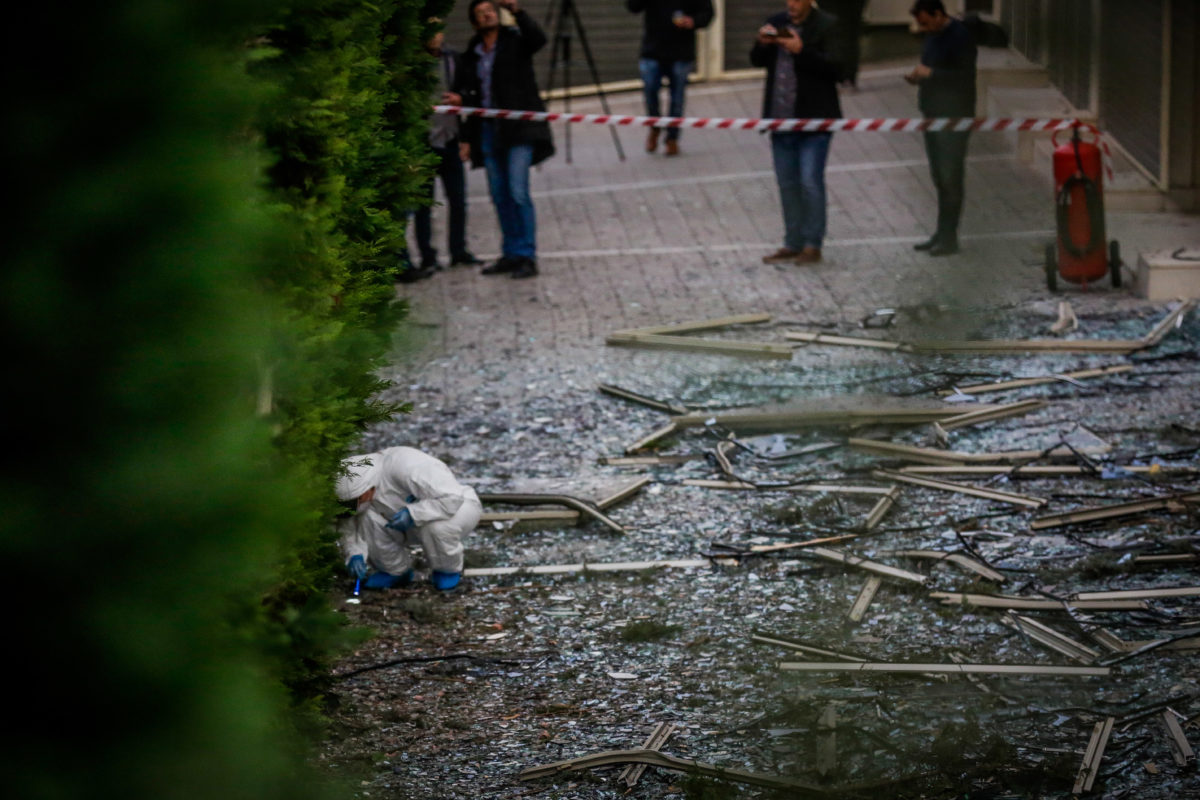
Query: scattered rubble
752, 529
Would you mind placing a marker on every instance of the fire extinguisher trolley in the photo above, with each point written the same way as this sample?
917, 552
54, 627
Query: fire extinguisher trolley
1079, 254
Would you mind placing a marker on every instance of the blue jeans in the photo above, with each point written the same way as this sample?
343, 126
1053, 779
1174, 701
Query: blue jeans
800, 171
676, 73
508, 180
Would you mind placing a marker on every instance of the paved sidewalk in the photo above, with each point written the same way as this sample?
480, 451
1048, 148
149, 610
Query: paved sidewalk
502, 376
653, 240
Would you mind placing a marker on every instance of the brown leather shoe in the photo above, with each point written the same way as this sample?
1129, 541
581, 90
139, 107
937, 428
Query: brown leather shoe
809, 255
672, 147
652, 140
781, 256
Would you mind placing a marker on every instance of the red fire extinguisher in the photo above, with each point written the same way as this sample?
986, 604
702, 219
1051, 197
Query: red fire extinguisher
1079, 254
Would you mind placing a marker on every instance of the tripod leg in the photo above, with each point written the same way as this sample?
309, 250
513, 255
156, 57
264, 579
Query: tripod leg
569, 5
567, 92
554, 54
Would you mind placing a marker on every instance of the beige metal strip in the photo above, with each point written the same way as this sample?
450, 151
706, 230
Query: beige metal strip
959, 488
658, 737
1034, 603
701, 325
1095, 753
1181, 751
1113, 511
651, 438
624, 494
865, 596
713, 346
949, 669
1021, 383
976, 417
870, 566
881, 509
1139, 594
785, 420
813, 337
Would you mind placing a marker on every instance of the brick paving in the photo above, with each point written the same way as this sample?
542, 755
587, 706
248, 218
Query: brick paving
653, 240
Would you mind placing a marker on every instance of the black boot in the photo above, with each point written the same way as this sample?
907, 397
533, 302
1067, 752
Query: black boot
413, 274
526, 269
928, 244
464, 259
429, 261
505, 264
947, 246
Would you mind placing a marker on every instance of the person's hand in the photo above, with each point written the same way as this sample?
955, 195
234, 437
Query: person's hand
511, 5
793, 44
464, 151
451, 99
919, 73
683, 21
767, 34
402, 521
357, 567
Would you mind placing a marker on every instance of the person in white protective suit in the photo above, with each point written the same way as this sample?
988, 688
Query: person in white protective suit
402, 496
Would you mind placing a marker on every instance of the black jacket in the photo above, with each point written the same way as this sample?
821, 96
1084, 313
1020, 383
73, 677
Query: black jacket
818, 66
950, 90
513, 86
663, 40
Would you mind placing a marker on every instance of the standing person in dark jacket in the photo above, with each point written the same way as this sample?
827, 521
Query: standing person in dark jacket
443, 141
946, 81
798, 49
496, 71
850, 25
668, 48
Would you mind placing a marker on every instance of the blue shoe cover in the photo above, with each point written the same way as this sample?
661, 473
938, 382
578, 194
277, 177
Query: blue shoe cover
445, 581
385, 580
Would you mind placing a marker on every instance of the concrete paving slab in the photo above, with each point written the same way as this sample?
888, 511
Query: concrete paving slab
653, 240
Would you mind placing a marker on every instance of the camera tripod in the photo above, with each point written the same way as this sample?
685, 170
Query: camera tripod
560, 53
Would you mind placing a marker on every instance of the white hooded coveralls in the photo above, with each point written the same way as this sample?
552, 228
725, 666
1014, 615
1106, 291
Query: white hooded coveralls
443, 512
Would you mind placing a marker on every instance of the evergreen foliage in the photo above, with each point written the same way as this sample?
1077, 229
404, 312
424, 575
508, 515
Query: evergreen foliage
208, 205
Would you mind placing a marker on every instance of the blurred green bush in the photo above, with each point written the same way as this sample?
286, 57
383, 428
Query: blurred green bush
206, 205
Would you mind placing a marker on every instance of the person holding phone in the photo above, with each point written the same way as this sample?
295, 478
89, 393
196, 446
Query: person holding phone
946, 88
799, 49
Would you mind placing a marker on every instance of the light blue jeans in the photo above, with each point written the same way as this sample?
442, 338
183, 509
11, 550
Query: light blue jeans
508, 181
676, 73
800, 171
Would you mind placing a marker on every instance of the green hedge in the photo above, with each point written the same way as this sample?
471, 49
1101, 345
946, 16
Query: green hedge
206, 206
346, 124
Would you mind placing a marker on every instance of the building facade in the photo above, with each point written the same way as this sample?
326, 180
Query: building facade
1131, 65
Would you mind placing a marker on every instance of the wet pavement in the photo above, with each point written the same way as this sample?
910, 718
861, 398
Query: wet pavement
503, 375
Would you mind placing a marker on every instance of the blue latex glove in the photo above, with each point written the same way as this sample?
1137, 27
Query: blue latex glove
357, 567
402, 522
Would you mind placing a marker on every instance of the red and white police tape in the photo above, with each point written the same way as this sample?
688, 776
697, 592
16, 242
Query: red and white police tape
807, 125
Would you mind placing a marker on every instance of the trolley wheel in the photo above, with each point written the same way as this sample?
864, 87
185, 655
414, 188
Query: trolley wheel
1052, 267
1114, 263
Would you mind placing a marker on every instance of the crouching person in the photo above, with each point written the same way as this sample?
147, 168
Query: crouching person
402, 496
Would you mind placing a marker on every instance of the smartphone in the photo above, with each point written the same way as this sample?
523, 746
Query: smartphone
784, 33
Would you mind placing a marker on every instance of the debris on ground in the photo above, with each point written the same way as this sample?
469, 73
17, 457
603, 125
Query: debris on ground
1019, 620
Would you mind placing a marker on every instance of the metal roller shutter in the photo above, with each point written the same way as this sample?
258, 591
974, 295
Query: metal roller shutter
1131, 77
1069, 49
614, 34
1022, 20
741, 28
